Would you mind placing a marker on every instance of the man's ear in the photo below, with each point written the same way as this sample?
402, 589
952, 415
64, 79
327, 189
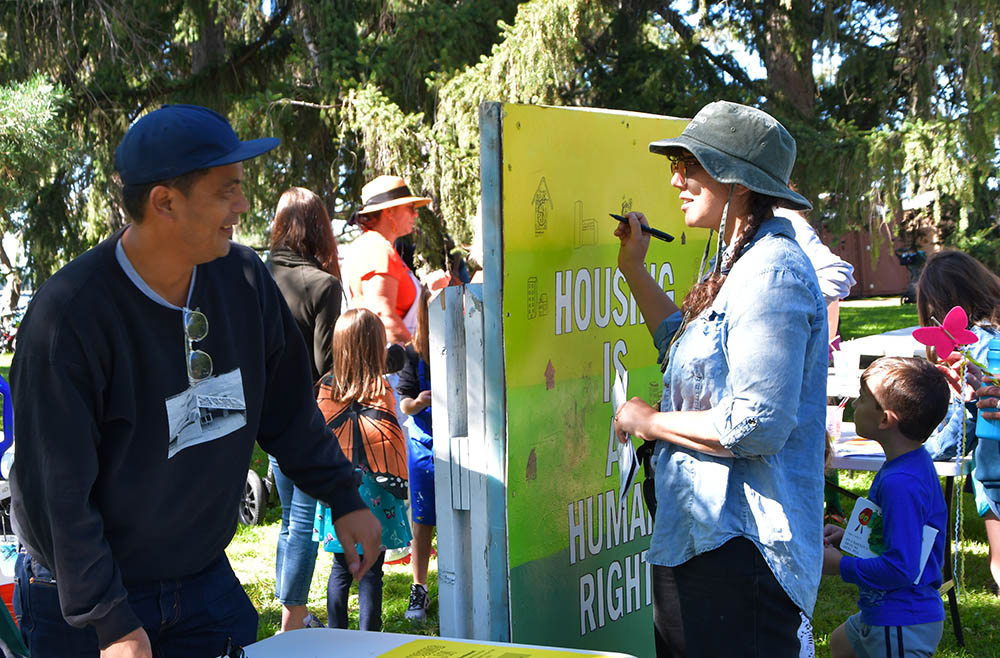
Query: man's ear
161, 201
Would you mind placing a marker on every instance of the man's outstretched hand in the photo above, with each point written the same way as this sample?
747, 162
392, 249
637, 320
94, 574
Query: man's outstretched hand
359, 527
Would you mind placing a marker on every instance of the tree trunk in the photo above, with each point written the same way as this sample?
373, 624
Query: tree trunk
210, 49
15, 280
785, 45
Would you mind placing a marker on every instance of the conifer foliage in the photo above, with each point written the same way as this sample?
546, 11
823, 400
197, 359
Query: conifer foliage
889, 100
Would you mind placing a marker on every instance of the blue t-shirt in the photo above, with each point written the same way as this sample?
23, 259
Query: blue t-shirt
909, 493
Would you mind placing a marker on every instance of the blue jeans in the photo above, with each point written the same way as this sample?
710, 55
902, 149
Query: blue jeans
296, 554
369, 595
191, 617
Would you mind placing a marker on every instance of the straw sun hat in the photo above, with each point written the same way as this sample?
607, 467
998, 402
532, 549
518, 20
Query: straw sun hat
387, 191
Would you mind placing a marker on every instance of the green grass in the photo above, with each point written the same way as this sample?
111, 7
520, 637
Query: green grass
5, 360
979, 609
857, 321
252, 555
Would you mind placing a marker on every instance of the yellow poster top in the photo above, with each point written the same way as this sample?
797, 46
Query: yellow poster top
437, 648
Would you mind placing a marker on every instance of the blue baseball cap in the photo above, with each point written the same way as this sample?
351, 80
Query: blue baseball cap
177, 139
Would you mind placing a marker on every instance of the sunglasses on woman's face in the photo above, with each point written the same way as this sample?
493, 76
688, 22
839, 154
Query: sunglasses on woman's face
681, 166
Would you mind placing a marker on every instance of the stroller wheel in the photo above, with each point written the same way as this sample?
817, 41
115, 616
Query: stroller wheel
254, 501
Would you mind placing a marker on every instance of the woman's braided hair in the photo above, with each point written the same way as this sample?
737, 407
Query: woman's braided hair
703, 293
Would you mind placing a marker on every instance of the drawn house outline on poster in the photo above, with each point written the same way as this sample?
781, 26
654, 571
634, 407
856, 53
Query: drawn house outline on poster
584, 228
542, 202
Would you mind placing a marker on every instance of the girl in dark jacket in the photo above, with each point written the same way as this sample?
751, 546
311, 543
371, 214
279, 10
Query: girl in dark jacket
305, 266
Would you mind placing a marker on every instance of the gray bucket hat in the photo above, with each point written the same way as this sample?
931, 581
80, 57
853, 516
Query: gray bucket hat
740, 144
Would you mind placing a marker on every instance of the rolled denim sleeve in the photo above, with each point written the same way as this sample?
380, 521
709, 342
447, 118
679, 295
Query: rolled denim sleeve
665, 333
769, 323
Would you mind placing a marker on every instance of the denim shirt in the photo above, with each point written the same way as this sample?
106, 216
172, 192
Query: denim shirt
757, 358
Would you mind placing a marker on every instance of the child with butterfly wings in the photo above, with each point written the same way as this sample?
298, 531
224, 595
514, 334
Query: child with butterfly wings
358, 405
958, 301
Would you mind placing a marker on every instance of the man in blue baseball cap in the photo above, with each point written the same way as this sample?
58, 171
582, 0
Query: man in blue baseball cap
145, 371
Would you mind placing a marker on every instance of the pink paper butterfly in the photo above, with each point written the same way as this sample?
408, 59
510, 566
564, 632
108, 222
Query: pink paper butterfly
946, 337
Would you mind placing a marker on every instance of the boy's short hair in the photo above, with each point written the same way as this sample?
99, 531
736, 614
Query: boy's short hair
914, 389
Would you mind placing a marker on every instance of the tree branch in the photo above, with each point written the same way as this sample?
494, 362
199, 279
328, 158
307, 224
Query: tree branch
277, 18
164, 84
724, 62
317, 106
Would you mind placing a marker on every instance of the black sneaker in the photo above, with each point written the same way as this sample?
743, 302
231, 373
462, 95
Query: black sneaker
417, 609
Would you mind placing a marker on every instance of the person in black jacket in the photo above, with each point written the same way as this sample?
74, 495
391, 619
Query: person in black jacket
304, 265
146, 369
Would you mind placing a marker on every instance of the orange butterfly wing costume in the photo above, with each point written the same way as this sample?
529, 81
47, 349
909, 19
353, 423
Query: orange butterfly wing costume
370, 436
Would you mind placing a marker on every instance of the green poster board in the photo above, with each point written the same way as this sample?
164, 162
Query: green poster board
576, 557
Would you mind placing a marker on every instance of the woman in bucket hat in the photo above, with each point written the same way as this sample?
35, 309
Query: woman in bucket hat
377, 278
736, 548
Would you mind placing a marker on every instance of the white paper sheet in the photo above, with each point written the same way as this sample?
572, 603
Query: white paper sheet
858, 530
627, 460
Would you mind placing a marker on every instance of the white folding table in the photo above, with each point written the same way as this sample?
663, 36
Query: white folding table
335, 643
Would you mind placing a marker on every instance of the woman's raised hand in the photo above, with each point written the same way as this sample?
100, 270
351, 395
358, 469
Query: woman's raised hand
633, 242
951, 366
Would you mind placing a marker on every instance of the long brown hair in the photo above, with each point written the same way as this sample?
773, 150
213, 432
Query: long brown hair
358, 357
302, 224
421, 336
953, 278
704, 292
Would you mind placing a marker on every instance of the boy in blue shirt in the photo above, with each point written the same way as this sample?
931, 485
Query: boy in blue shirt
902, 400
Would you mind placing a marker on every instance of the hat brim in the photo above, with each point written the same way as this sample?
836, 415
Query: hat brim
417, 201
727, 168
245, 151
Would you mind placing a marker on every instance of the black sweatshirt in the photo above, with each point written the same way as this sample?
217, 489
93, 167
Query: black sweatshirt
105, 490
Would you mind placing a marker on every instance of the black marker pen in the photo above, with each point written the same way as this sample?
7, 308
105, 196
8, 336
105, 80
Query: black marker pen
666, 237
